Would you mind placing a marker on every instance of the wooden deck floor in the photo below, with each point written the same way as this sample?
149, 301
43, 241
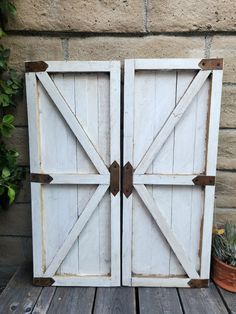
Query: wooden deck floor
21, 297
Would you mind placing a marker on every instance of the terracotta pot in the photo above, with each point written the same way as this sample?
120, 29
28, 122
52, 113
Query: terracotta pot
223, 275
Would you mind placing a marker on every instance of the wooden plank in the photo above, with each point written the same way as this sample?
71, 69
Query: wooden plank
167, 64
166, 230
73, 121
88, 91
199, 166
44, 300
204, 301
212, 146
229, 299
20, 296
79, 66
162, 281
72, 300
115, 156
58, 141
83, 281
159, 300
33, 121
115, 300
165, 100
172, 121
35, 162
183, 160
128, 157
93, 108
142, 222
59, 178
75, 231
164, 179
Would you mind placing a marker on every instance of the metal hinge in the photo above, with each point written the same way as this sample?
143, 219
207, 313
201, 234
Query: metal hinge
204, 180
40, 178
128, 179
198, 283
114, 178
43, 282
211, 64
36, 66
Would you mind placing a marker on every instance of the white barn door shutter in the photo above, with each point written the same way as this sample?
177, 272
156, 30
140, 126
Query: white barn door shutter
74, 131
171, 122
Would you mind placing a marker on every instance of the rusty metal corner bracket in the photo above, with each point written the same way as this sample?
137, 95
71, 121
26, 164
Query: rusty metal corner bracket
198, 283
40, 178
204, 180
211, 64
36, 66
43, 282
127, 179
114, 178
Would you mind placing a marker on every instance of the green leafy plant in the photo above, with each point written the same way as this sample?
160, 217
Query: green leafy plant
224, 243
11, 174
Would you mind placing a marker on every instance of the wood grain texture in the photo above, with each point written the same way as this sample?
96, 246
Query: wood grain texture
159, 300
202, 301
72, 300
44, 300
115, 300
20, 296
166, 116
128, 157
78, 125
229, 299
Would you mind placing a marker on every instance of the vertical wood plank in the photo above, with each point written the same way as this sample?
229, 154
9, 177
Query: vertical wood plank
128, 157
144, 111
87, 110
115, 300
66, 85
115, 156
212, 146
35, 166
199, 165
104, 149
58, 151
165, 87
184, 134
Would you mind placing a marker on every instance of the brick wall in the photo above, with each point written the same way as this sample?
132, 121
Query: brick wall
106, 29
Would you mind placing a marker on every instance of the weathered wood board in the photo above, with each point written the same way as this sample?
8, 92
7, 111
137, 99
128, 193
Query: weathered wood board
74, 132
171, 123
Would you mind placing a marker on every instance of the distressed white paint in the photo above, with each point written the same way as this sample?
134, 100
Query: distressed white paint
169, 142
74, 129
74, 114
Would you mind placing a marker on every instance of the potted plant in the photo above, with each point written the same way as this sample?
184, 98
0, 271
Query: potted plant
223, 270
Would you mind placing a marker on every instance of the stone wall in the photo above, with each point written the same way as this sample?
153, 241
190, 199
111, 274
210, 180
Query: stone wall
105, 30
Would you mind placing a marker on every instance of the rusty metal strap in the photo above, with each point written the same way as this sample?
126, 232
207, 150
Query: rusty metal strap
198, 283
43, 282
127, 179
114, 178
204, 180
211, 64
40, 178
36, 66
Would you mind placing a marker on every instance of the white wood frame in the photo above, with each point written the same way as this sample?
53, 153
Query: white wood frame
140, 178
102, 179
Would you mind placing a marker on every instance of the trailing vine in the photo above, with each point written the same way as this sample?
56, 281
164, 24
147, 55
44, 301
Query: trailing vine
11, 174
